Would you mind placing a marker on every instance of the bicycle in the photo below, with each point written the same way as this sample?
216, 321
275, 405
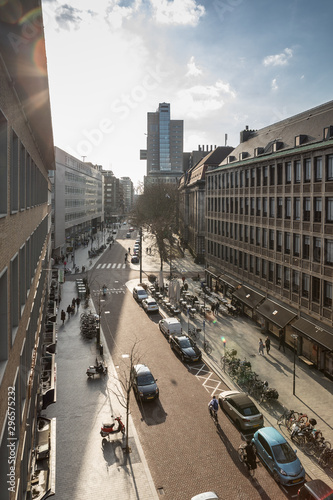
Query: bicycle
207, 347
194, 333
326, 457
242, 455
289, 417
213, 414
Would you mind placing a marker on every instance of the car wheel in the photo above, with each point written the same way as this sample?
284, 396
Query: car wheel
182, 358
276, 476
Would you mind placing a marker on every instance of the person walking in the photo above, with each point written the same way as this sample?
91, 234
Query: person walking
78, 302
261, 347
69, 310
217, 306
268, 344
63, 316
282, 340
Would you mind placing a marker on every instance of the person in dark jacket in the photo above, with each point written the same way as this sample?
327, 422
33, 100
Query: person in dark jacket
268, 344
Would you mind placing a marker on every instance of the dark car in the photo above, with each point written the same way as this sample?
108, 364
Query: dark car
144, 384
315, 490
241, 409
185, 347
135, 259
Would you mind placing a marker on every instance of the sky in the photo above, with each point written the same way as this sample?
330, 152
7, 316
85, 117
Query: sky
221, 64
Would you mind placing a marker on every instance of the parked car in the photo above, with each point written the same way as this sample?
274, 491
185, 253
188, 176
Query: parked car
315, 490
131, 229
241, 409
128, 235
169, 326
135, 259
278, 456
144, 384
139, 293
114, 231
208, 495
185, 347
150, 305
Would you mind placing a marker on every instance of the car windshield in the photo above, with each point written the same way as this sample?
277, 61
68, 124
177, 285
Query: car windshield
152, 303
141, 292
283, 453
146, 379
249, 411
185, 343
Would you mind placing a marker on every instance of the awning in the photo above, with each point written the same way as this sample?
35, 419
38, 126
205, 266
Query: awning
314, 332
248, 297
276, 313
229, 281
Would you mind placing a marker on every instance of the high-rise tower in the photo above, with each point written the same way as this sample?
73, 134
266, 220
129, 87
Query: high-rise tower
164, 153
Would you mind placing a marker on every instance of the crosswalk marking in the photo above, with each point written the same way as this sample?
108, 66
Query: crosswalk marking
110, 265
113, 266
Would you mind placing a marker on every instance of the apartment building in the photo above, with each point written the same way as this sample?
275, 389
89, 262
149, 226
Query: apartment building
26, 157
269, 230
112, 196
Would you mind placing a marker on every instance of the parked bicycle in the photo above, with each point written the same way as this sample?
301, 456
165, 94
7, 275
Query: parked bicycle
194, 333
326, 457
207, 347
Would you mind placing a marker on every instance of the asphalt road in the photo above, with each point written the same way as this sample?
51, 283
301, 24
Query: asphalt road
186, 453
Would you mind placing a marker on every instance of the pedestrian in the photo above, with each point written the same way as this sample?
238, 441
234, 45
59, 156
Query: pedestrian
69, 310
213, 308
268, 344
78, 301
217, 306
261, 347
129, 250
63, 316
147, 249
73, 302
281, 340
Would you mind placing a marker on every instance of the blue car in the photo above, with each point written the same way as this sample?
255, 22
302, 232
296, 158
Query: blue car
278, 456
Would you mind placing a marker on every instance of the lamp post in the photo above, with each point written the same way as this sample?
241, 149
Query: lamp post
295, 337
140, 253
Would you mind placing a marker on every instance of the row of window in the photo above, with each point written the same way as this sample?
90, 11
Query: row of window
28, 186
319, 291
309, 170
294, 244
296, 208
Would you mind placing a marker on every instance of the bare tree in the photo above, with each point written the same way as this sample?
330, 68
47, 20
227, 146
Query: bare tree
126, 384
156, 210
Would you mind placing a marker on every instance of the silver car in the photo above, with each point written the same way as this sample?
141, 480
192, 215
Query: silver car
242, 410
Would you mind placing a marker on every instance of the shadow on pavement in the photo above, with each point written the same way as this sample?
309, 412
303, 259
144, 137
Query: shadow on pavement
152, 413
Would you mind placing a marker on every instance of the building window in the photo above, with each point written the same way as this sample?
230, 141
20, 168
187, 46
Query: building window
329, 209
251, 263
264, 237
288, 208
329, 252
272, 207
305, 285
240, 259
245, 261
241, 232
246, 206
318, 174
258, 236
307, 170
329, 168
3, 163
271, 271
236, 179
264, 206
317, 205
279, 213
241, 179
306, 209
306, 247
265, 176
252, 205
288, 172
297, 172
287, 243
279, 174
297, 208
252, 235
297, 245
328, 289
247, 178
264, 268
272, 175
253, 177
278, 274
258, 176
286, 278
241, 206
315, 289
316, 249
271, 239
258, 206
246, 234
257, 266
279, 241
231, 179
295, 282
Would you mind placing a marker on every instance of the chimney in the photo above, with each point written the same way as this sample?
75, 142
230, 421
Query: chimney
245, 134
199, 147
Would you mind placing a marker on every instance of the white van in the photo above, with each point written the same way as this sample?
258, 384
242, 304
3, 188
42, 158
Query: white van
170, 326
139, 293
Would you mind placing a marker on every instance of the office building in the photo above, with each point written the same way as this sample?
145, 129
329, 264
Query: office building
164, 153
269, 230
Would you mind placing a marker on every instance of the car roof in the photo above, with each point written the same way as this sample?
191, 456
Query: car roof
140, 369
150, 299
318, 488
170, 320
241, 399
273, 436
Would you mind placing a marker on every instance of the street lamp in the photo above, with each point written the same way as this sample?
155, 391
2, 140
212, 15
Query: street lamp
295, 337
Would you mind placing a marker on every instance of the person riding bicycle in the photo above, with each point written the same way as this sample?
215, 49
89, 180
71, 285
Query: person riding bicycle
250, 458
213, 406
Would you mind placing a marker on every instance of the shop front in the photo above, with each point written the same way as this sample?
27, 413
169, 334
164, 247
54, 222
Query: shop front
248, 300
316, 345
272, 318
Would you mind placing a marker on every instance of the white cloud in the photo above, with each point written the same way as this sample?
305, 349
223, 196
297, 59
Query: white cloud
200, 100
116, 14
279, 59
177, 12
192, 68
274, 84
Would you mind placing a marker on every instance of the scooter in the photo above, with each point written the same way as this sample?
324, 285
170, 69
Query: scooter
99, 368
268, 393
108, 429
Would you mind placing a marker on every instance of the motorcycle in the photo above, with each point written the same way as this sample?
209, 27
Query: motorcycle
268, 393
99, 369
108, 429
